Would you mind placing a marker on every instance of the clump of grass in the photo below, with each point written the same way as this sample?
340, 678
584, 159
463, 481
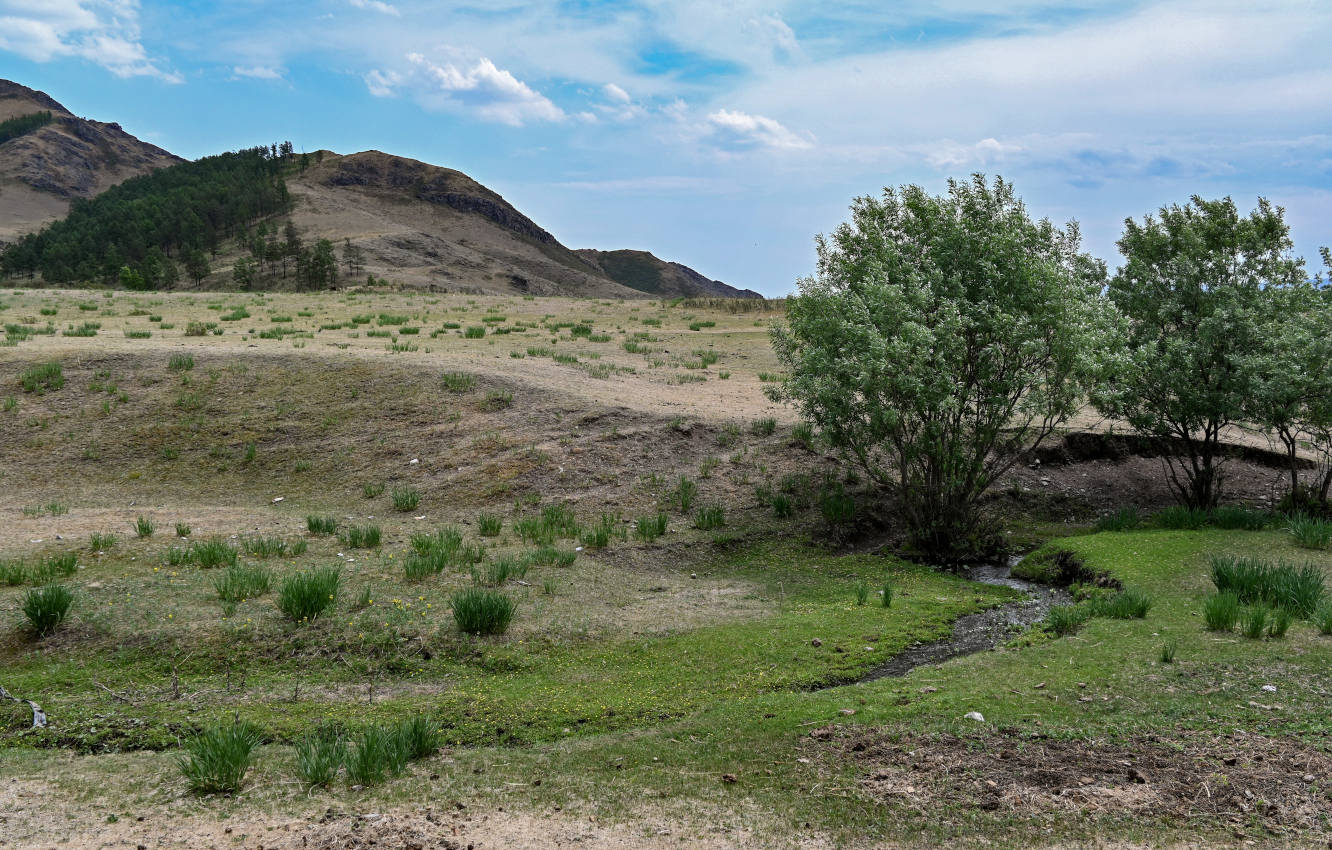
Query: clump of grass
482, 612
650, 527
47, 607
1322, 618
373, 491
710, 517
61, 565
764, 427
1237, 518
13, 573
803, 434
458, 382
782, 505
474, 332
1168, 650
38, 379
886, 597
1221, 611
1255, 581
211, 553
239, 583
375, 754
319, 757
600, 535
837, 506
1125, 605
1066, 619
862, 591
417, 737
420, 566
143, 527
1310, 532
219, 757
362, 536
406, 498
496, 400
1181, 518
684, 494
1124, 519
1278, 623
304, 596
1255, 623
270, 547
101, 542
182, 530
499, 572
181, 362
550, 556
321, 524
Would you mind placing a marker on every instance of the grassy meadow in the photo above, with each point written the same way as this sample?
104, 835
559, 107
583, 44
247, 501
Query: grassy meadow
620, 587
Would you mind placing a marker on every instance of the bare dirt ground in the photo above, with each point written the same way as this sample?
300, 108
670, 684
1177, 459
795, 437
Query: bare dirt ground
1237, 779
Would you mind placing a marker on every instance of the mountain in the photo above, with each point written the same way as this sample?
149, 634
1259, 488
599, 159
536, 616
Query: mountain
436, 228
642, 271
44, 169
416, 224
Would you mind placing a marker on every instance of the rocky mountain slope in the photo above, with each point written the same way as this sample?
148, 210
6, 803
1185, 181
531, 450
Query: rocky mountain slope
43, 171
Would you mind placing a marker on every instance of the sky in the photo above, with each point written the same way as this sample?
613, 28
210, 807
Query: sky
726, 134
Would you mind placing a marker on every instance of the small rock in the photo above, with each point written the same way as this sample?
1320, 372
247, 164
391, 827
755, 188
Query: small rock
728, 777
975, 715
1271, 689
413, 461
1086, 780
869, 649
847, 712
1309, 777
693, 575
279, 499
929, 689
1041, 685
816, 642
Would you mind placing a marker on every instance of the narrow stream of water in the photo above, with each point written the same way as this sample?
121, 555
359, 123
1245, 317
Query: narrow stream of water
984, 630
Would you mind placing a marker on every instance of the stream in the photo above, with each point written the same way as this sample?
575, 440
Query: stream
983, 630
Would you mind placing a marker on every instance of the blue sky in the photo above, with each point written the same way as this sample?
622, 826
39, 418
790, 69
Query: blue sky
725, 135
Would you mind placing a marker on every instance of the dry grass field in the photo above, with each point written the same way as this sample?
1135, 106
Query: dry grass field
692, 611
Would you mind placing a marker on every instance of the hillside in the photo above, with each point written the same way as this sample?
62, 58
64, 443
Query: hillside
436, 228
44, 170
642, 271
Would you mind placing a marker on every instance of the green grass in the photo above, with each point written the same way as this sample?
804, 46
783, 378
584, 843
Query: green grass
489, 525
651, 526
143, 527
241, 582
305, 596
405, 498
99, 542
272, 547
764, 427
1299, 589
480, 611
362, 536
39, 379
319, 758
710, 517
321, 524
47, 607
1310, 532
1221, 611
218, 758
1124, 519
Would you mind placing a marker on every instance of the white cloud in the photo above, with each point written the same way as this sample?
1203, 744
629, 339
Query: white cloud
735, 129
258, 72
492, 93
616, 94
376, 6
105, 32
950, 154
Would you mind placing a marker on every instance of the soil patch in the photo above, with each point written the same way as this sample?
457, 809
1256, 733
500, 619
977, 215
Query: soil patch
1282, 785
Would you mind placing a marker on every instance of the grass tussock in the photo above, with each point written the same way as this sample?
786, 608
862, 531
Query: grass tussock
217, 759
305, 596
479, 611
47, 607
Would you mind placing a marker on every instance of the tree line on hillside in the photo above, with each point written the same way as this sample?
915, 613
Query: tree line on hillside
943, 337
23, 124
141, 232
274, 254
